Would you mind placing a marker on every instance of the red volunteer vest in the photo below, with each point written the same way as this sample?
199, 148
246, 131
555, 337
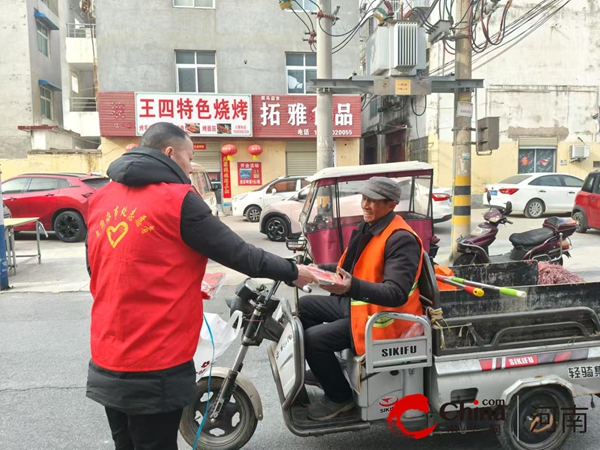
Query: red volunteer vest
147, 310
369, 267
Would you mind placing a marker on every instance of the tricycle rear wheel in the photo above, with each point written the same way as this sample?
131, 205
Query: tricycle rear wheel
534, 419
232, 429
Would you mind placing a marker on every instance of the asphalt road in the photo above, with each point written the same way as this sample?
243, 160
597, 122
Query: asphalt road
43, 362
44, 350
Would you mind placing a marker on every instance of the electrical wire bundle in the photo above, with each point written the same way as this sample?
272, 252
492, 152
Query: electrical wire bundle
508, 35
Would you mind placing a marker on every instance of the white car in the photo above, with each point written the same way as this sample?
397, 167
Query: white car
252, 203
535, 193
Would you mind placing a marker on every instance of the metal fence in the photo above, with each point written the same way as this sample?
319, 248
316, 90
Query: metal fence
83, 104
81, 30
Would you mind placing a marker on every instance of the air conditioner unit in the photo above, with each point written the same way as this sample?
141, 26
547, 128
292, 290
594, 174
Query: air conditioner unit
409, 53
379, 51
579, 152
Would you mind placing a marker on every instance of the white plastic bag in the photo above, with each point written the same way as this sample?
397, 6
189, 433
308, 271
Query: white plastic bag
223, 334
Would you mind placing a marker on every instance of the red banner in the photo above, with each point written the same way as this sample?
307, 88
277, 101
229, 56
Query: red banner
273, 116
294, 116
249, 174
199, 146
226, 178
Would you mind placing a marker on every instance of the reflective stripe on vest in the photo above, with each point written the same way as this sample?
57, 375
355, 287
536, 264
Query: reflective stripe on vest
370, 267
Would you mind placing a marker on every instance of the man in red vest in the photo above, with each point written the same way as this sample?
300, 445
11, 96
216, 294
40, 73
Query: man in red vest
150, 235
380, 269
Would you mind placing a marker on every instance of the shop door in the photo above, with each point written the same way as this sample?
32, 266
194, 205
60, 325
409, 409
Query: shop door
300, 159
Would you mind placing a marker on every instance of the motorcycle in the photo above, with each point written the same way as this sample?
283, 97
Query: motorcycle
548, 243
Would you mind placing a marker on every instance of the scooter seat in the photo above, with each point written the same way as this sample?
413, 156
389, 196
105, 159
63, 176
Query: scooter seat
531, 238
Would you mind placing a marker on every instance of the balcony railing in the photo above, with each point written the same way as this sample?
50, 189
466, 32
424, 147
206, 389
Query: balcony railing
83, 104
81, 30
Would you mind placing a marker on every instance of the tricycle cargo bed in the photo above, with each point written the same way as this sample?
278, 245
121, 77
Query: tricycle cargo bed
461, 304
514, 273
516, 330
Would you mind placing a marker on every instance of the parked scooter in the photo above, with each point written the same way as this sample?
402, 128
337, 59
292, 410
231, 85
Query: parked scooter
548, 243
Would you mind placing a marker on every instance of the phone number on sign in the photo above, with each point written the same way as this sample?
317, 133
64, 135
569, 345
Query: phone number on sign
335, 133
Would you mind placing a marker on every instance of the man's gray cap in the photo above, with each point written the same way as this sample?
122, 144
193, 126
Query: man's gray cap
381, 188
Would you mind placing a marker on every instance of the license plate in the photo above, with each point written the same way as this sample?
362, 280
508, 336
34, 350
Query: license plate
494, 192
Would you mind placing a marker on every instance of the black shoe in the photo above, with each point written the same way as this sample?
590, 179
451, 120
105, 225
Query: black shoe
326, 409
311, 380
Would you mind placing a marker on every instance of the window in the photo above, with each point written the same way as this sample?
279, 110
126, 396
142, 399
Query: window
301, 67
284, 186
533, 160
588, 184
550, 180
307, 5
515, 179
46, 102
43, 39
15, 186
572, 181
43, 184
196, 71
194, 3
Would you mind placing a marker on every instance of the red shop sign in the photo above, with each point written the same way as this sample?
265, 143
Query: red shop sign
294, 116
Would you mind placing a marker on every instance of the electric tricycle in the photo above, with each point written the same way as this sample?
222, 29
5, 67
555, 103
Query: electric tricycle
512, 367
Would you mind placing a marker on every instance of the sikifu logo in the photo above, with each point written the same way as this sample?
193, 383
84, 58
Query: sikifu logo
398, 351
387, 403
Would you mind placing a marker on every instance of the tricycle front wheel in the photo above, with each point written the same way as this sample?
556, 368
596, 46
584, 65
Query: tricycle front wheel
231, 430
534, 419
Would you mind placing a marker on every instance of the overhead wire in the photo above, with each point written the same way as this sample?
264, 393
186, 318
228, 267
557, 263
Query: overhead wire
542, 12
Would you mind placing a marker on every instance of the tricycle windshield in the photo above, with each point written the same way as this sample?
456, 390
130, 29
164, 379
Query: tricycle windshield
333, 210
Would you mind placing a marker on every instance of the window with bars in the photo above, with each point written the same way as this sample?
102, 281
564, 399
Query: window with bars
196, 71
43, 39
46, 102
194, 3
300, 68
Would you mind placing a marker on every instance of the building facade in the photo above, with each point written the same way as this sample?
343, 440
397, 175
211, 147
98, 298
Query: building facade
545, 90
212, 57
542, 82
37, 130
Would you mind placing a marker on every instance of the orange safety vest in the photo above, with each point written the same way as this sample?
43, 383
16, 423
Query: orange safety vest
369, 267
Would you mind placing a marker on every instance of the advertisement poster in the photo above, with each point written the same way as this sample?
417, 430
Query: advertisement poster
249, 174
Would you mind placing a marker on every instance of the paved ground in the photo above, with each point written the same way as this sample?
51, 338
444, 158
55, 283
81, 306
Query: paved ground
63, 265
44, 349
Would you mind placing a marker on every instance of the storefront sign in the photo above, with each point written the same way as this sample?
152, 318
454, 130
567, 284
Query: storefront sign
199, 146
197, 114
249, 174
294, 116
226, 178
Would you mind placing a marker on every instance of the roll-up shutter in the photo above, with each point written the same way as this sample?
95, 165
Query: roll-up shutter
538, 142
300, 158
209, 158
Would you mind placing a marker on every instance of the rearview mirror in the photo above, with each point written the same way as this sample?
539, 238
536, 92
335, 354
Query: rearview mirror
489, 197
273, 191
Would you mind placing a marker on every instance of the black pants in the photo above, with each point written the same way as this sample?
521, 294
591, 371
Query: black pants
144, 432
321, 340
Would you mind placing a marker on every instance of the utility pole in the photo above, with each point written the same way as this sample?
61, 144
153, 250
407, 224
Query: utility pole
461, 200
324, 117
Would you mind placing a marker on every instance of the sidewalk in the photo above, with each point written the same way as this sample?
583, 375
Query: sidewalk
63, 265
